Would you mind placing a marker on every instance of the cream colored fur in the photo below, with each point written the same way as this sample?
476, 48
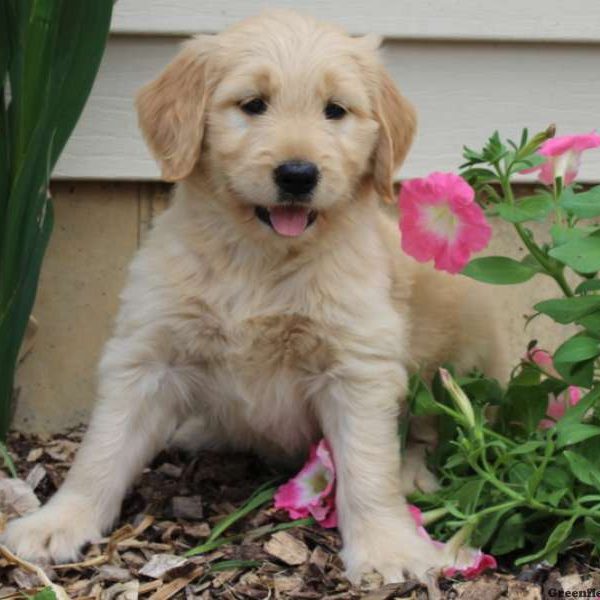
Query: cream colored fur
255, 341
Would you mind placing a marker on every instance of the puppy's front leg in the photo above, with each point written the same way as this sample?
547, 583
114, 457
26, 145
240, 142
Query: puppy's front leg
360, 420
138, 409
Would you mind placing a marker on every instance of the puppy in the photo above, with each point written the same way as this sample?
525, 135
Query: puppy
271, 304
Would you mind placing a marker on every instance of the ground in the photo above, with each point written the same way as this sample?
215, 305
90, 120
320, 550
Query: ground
173, 508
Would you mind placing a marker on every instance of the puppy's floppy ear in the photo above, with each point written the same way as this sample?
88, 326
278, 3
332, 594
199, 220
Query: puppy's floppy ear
171, 110
398, 122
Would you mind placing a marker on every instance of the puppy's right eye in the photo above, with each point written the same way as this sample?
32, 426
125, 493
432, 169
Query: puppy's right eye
256, 106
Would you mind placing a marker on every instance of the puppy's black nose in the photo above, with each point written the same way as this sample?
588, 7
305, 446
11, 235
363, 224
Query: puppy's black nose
297, 177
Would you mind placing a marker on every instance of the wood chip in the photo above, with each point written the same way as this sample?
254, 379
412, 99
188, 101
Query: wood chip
196, 530
36, 476
485, 588
122, 591
161, 564
170, 589
59, 591
62, 450
287, 583
319, 558
35, 454
187, 507
17, 498
172, 471
287, 548
113, 573
522, 590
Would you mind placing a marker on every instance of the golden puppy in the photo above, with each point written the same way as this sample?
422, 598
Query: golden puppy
271, 304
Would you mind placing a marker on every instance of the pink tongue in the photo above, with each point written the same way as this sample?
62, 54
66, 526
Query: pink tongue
290, 221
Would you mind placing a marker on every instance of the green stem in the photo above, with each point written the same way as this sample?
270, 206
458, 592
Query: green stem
533, 248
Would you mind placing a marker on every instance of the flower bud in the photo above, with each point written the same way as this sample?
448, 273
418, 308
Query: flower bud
458, 396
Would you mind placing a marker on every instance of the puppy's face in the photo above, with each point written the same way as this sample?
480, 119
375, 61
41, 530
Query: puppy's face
289, 118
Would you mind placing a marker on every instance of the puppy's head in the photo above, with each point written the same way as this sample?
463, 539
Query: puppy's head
288, 118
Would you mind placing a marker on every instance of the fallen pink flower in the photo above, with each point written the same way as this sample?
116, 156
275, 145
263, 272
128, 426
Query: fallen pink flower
468, 562
312, 491
440, 221
557, 406
563, 157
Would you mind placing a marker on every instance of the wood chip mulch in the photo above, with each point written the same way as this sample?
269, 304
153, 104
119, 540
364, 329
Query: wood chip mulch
173, 508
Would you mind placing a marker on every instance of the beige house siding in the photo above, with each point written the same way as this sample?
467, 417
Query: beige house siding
469, 66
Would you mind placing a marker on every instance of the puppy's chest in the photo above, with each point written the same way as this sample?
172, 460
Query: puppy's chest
258, 345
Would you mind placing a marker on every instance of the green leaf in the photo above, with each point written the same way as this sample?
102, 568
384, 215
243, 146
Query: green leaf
527, 447
557, 478
524, 407
577, 349
583, 469
510, 535
577, 373
263, 495
8, 461
591, 285
573, 433
585, 205
556, 542
567, 310
422, 400
530, 208
228, 565
468, 495
499, 270
583, 254
562, 235
46, 594
486, 527
592, 529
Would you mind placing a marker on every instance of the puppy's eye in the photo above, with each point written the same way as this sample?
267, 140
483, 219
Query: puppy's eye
256, 106
335, 111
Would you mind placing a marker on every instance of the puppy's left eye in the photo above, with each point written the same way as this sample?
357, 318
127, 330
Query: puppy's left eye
335, 111
256, 106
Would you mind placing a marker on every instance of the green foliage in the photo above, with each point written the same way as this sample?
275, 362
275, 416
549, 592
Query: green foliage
521, 488
499, 270
50, 51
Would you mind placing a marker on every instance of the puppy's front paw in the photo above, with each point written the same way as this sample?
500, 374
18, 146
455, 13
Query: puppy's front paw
55, 533
393, 549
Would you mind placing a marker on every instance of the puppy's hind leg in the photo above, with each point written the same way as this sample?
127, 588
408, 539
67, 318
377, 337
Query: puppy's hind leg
142, 398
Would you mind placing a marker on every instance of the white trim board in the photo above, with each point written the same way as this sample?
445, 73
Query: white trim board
509, 20
462, 92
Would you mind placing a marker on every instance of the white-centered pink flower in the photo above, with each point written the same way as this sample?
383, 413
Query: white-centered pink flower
312, 491
563, 156
440, 221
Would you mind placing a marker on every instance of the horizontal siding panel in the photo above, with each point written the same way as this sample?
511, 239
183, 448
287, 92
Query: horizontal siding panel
534, 20
461, 90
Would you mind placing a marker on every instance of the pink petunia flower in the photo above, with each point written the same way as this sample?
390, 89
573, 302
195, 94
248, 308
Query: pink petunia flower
468, 562
440, 221
557, 406
563, 157
312, 491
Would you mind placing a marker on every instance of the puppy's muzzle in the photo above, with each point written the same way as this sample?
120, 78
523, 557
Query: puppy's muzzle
296, 178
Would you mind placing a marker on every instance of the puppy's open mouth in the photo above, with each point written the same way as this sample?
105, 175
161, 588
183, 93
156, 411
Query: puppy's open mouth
288, 219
